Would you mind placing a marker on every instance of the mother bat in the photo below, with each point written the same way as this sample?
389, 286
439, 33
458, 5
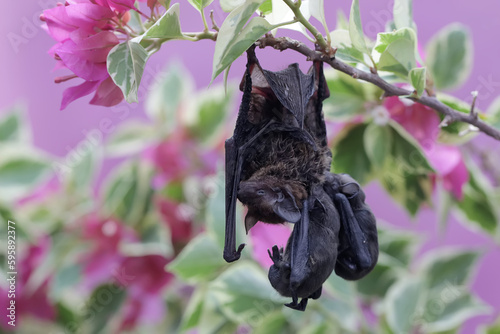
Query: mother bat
278, 165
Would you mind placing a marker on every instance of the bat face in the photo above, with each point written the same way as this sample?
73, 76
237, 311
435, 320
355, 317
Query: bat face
271, 201
278, 166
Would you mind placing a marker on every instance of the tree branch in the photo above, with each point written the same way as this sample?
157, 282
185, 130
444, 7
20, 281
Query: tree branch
283, 43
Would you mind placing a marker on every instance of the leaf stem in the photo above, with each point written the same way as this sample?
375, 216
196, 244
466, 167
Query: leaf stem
295, 7
205, 24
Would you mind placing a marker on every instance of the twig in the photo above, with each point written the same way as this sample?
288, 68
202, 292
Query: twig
451, 115
214, 25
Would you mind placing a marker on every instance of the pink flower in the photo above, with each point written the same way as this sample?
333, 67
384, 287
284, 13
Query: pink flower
145, 303
104, 257
448, 162
423, 123
179, 156
117, 5
264, 237
420, 121
181, 228
86, 33
33, 299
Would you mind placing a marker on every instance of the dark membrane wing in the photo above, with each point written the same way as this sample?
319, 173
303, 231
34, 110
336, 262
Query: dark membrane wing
293, 89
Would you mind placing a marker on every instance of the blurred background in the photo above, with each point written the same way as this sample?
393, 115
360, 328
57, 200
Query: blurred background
27, 84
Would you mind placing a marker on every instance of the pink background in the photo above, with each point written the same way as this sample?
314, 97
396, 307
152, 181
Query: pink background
27, 77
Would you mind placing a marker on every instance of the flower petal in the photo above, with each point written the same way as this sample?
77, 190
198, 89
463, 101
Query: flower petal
75, 92
108, 94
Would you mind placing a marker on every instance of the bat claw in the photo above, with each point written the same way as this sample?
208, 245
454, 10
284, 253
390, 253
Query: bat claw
275, 256
298, 306
231, 257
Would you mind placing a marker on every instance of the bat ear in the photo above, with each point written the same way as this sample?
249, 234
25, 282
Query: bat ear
286, 208
250, 221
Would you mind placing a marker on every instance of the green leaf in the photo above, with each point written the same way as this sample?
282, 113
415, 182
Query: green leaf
244, 292
451, 134
356, 29
378, 143
126, 62
67, 318
407, 151
266, 7
493, 113
396, 51
22, 169
451, 308
212, 320
12, 126
234, 38
449, 56
491, 329
381, 278
192, 313
168, 26
403, 13
406, 173
402, 302
82, 165
99, 318
174, 87
399, 245
130, 138
417, 79
345, 50
384, 39
445, 267
230, 5
273, 323
398, 58
65, 278
347, 96
349, 155
206, 118
199, 261
346, 314
342, 23
317, 10
476, 206
200, 4
128, 194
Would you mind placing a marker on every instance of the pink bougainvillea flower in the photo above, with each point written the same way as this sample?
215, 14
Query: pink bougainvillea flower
34, 299
85, 32
145, 302
420, 121
264, 237
181, 228
423, 124
179, 156
104, 258
450, 167
171, 159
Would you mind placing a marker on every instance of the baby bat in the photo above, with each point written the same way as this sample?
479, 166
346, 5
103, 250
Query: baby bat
278, 165
301, 274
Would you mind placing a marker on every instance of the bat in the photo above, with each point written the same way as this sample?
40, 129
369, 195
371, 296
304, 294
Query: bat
302, 273
278, 165
358, 248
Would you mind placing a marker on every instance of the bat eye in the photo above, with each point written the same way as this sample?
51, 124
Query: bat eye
261, 192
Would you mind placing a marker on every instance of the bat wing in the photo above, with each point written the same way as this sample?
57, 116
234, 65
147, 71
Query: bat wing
293, 89
314, 119
358, 250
